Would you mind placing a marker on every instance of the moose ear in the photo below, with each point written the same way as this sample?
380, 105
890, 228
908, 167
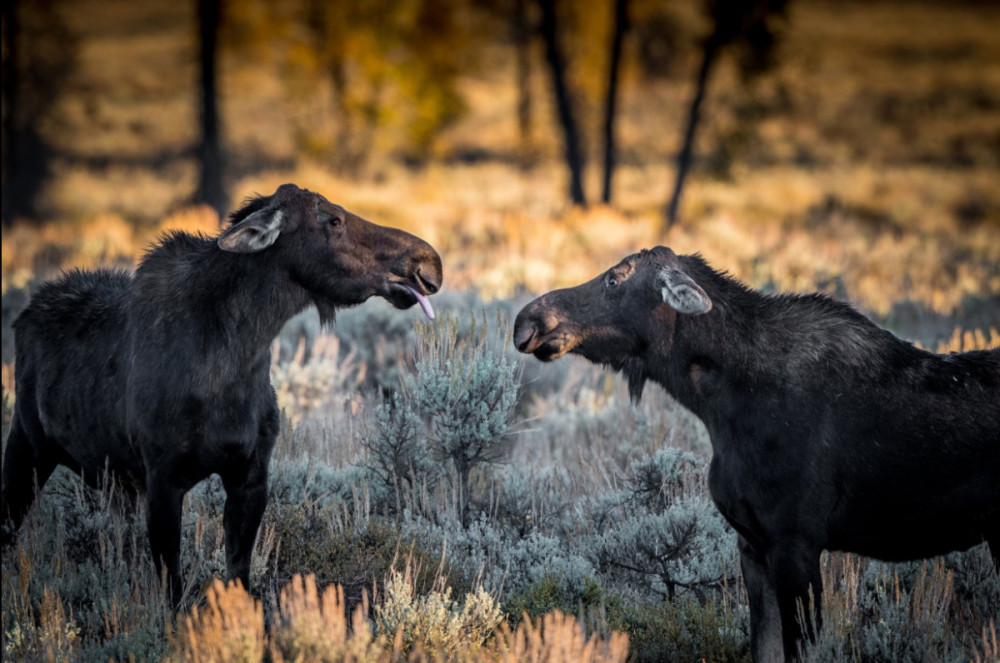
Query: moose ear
254, 233
681, 292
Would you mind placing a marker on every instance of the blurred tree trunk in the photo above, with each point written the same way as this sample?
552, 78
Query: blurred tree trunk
711, 50
611, 100
743, 23
329, 33
564, 105
10, 99
522, 43
211, 189
25, 155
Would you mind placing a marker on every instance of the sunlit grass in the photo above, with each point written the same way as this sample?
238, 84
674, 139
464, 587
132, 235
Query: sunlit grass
313, 625
878, 237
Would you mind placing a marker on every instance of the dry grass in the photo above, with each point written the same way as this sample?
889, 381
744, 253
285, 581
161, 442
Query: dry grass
315, 626
53, 635
797, 231
990, 650
964, 341
229, 627
557, 638
312, 625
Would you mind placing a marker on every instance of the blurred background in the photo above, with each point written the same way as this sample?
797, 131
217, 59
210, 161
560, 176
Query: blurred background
848, 146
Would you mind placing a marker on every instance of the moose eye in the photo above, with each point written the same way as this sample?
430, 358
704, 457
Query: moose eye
612, 281
334, 221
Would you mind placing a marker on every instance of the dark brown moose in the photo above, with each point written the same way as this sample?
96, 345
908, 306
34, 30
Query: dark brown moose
162, 377
828, 433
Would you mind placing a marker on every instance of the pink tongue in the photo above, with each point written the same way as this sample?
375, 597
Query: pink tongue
425, 303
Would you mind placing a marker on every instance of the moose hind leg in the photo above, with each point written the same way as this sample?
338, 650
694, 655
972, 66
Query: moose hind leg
246, 498
24, 473
765, 618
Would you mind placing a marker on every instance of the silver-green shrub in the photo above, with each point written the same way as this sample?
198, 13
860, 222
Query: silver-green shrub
465, 392
396, 457
451, 416
661, 530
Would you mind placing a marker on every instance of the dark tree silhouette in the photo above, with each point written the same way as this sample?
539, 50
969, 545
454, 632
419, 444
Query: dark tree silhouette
711, 49
734, 20
11, 126
564, 104
38, 54
619, 28
211, 187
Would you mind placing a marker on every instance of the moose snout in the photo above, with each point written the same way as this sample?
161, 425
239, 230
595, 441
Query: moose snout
429, 273
419, 266
531, 325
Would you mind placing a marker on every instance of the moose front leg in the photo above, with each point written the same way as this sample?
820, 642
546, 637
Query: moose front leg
795, 577
765, 618
164, 501
246, 499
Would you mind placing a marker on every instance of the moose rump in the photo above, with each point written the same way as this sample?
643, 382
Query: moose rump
162, 377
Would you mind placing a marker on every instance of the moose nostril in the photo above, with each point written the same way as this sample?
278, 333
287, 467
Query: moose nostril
523, 336
429, 285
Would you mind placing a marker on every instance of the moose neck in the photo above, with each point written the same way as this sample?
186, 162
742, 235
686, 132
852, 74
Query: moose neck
262, 297
716, 359
223, 306
752, 349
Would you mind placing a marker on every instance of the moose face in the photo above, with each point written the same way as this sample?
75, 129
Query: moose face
338, 257
614, 318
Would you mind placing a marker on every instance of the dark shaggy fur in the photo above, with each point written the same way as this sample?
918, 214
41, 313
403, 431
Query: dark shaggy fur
163, 377
827, 431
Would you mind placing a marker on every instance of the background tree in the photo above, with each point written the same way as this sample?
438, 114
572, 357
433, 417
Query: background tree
329, 23
211, 188
744, 22
39, 52
521, 32
619, 27
392, 68
556, 61
10, 39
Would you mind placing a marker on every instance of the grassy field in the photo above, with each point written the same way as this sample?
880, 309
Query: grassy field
865, 164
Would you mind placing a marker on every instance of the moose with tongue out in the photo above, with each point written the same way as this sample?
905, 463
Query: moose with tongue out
162, 377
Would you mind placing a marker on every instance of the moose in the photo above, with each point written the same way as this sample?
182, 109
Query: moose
161, 377
827, 432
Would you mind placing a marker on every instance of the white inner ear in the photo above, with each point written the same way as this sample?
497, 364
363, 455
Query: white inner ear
682, 293
255, 233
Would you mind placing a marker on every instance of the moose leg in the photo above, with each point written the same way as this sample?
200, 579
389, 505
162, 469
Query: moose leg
164, 501
765, 619
798, 584
24, 473
246, 498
